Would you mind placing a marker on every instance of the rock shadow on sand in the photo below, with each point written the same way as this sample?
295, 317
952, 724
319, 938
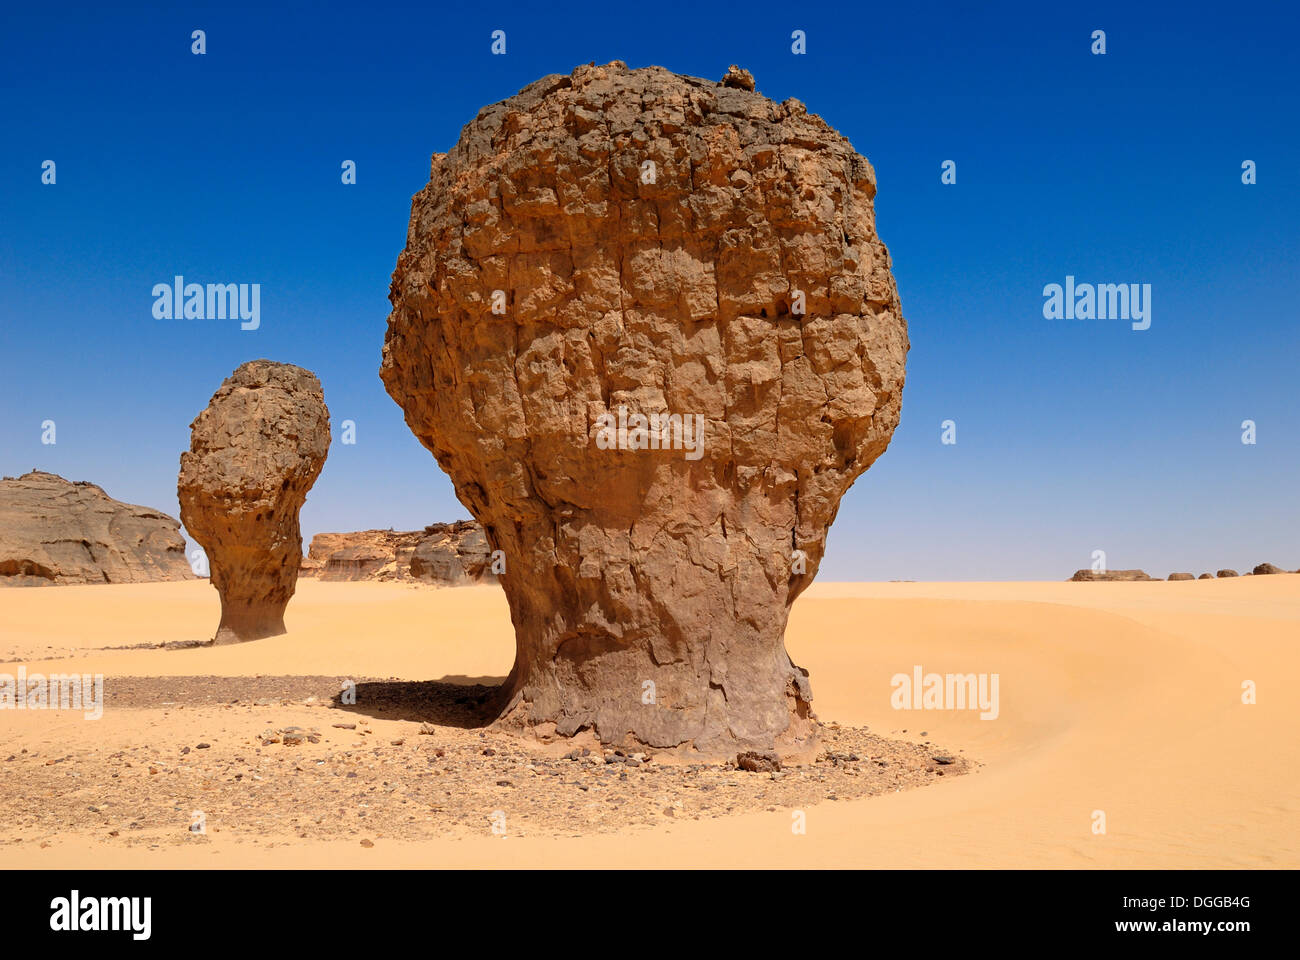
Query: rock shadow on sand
464, 702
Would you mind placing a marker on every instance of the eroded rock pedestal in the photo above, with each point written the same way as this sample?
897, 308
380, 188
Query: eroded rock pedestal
662, 244
254, 453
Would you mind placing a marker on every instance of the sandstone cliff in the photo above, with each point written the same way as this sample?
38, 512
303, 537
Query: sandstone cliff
446, 554
54, 531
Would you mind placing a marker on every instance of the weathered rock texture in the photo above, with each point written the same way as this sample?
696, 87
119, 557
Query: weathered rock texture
1181, 576
1087, 575
670, 246
1267, 568
446, 554
54, 531
254, 453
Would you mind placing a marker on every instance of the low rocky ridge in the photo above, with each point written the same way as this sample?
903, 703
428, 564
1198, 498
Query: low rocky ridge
1082, 576
447, 554
54, 531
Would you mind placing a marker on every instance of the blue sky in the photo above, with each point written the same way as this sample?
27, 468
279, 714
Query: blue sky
1072, 435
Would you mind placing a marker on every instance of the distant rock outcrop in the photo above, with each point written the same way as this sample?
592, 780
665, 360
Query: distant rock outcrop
447, 554
254, 453
1081, 576
54, 531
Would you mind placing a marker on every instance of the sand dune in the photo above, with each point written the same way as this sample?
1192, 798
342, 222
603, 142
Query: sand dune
1118, 697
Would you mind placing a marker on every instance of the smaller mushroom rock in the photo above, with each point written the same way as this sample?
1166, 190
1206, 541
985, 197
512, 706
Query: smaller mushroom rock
254, 453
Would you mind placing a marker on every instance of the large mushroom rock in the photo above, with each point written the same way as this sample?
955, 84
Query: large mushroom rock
55, 531
613, 245
254, 453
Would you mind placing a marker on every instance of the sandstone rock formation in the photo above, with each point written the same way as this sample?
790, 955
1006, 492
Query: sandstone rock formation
619, 244
1081, 576
54, 531
1206, 576
446, 554
1181, 576
254, 453
363, 555
1266, 568
738, 78
1226, 573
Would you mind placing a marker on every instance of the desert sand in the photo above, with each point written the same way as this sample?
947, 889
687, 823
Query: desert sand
1119, 697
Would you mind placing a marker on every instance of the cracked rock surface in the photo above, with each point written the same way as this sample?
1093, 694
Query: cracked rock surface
635, 242
254, 453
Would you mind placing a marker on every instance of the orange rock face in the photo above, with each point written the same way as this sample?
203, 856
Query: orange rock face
445, 554
645, 324
254, 453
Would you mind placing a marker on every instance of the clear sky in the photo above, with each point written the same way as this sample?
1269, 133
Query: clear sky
1072, 435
